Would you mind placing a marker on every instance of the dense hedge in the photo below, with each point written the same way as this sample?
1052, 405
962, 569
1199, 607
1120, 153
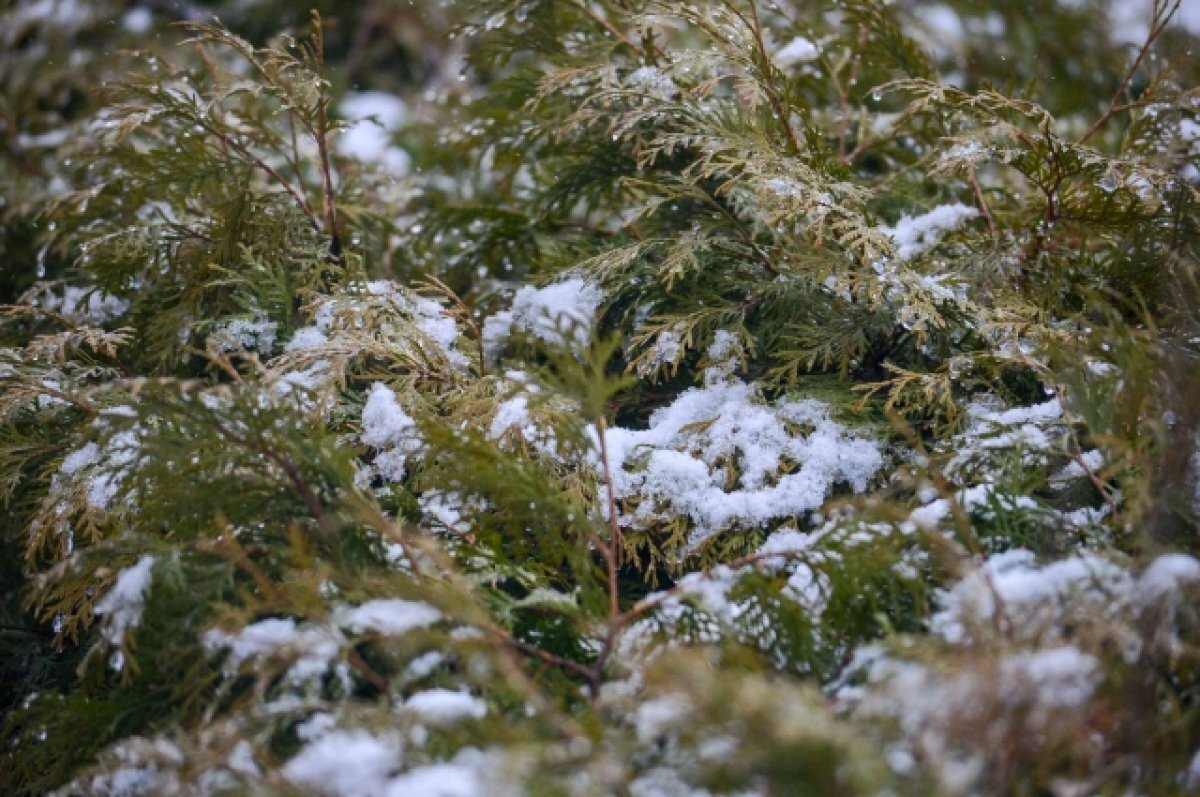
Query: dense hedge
599, 397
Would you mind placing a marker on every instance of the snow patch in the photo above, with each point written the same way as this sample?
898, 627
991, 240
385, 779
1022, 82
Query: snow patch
679, 464
121, 607
312, 647
916, 234
563, 308
372, 117
446, 706
388, 616
798, 51
85, 306
344, 764
390, 430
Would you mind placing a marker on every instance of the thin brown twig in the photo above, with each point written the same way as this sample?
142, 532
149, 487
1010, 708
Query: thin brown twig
328, 198
611, 550
981, 201
1158, 25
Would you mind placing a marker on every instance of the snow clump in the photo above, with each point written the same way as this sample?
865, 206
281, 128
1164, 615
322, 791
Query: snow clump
446, 706
372, 117
546, 313
679, 464
388, 616
344, 764
916, 234
391, 431
798, 51
121, 607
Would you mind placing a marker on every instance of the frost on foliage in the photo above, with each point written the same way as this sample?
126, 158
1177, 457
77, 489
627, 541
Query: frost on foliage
939, 715
451, 779
666, 352
354, 763
310, 648
659, 714
979, 498
121, 607
136, 766
379, 318
651, 81
567, 307
449, 510
256, 334
991, 438
1014, 589
527, 415
1044, 676
100, 470
723, 457
1165, 576
914, 235
512, 413
391, 431
88, 306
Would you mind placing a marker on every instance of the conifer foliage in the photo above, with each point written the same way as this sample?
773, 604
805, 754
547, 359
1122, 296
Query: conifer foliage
593, 397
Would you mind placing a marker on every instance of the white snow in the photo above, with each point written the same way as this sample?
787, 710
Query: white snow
372, 117
798, 50
87, 306
241, 760
566, 307
66, 17
312, 647
667, 350
1060, 677
390, 430
350, 763
450, 509
391, 616
1165, 575
137, 20
916, 234
653, 82
78, 460
119, 453
121, 607
98, 470
438, 780
971, 498
513, 412
446, 706
1022, 591
656, 716
678, 465
257, 334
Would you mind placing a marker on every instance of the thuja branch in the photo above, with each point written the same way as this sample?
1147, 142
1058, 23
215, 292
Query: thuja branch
291, 472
